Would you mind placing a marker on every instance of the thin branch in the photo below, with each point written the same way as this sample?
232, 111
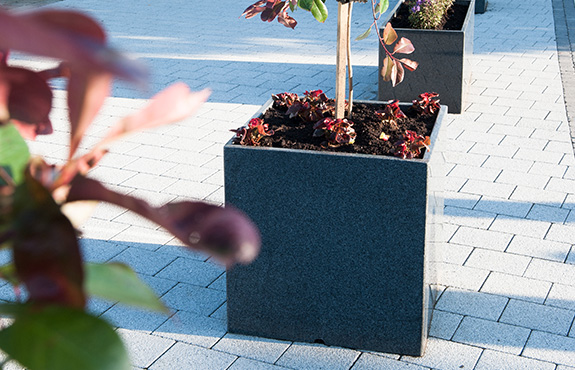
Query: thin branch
349, 66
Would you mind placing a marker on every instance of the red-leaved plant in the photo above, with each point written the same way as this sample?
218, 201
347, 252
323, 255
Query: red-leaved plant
427, 103
39, 201
411, 145
252, 134
391, 113
337, 132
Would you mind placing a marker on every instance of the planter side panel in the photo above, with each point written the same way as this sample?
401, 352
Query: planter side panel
444, 65
353, 277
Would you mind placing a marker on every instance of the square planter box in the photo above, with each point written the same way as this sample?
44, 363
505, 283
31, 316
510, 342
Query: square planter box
480, 6
348, 246
444, 63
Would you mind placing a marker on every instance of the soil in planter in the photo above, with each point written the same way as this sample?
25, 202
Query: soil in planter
453, 20
296, 134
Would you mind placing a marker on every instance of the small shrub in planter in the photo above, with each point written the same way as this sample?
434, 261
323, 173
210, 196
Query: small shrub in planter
347, 237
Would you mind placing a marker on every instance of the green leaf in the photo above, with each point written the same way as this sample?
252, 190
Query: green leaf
364, 35
59, 338
118, 282
316, 7
14, 154
382, 6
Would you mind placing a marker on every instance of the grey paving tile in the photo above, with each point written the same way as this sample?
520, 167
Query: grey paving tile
516, 287
243, 363
187, 356
99, 251
314, 356
503, 361
441, 354
498, 261
538, 317
520, 226
444, 324
490, 334
192, 328
190, 271
551, 271
260, 349
550, 347
192, 298
127, 317
544, 249
143, 261
143, 348
470, 303
369, 361
486, 239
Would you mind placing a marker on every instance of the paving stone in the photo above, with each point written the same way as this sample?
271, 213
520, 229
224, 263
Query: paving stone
547, 213
516, 287
192, 298
243, 363
494, 335
538, 317
535, 247
143, 261
192, 328
503, 207
441, 354
508, 263
555, 272
127, 317
187, 356
462, 276
503, 361
191, 271
444, 324
480, 238
470, 303
550, 347
314, 356
369, 361
486, 188
260, 349
143, 348
466, 217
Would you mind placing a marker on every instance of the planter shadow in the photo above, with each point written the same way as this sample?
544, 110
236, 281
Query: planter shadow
444, 63
348, 246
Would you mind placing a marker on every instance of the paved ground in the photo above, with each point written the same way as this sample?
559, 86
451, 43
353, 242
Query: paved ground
508, 280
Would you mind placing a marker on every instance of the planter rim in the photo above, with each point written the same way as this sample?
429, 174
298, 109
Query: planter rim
432, 138
463, 27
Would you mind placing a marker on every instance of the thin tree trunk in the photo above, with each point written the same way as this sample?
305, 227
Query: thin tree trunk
349, 66
341, 59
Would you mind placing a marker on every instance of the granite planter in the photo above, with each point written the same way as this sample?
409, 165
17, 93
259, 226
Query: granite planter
348, 246
444, 63
480, 6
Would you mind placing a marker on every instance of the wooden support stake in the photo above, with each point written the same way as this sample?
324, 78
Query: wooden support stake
341, 59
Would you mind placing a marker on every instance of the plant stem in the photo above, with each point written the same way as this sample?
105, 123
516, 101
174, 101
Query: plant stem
340, 64
349, 66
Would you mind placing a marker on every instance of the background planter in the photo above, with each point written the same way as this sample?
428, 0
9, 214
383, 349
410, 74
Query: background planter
348, 246
444, 63
480, 6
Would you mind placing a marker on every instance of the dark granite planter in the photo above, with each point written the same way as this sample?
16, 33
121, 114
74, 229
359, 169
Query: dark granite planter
480, 6
348, 250
444, 64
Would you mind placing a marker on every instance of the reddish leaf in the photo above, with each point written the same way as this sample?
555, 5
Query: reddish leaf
287, 21
170, 105
386, 70
77, 24
29, 96
46, 253
254, 9
38, 32
409, 64
389, 34
86, 94
400, 73
403, 46
225, 232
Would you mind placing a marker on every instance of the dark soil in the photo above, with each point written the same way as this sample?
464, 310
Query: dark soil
297, 134
453, 20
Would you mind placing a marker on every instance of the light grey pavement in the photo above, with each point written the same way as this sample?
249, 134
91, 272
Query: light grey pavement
508, 280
